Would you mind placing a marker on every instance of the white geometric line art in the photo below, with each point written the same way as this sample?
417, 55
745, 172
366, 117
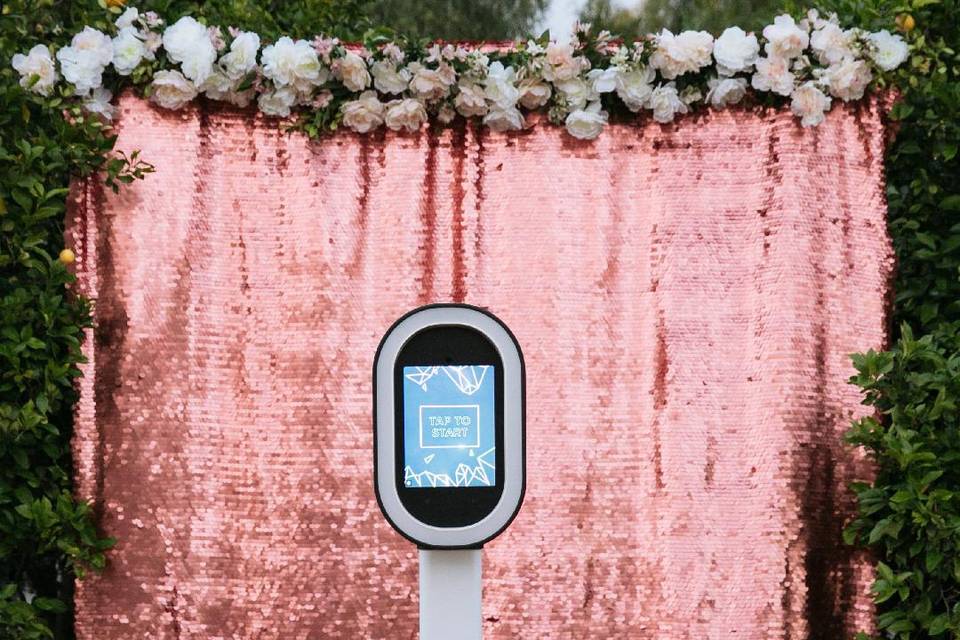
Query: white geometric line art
429, 458
464, 476
421, 375
467, 378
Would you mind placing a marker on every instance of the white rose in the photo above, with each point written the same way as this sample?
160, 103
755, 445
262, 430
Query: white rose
128, 51
388, 79
504, 119
604, 80
446, 114
471, 100
37, 71
809, 104
99, 102
83, 62
352, 72
171, 90
888, 51
499, 86
277, 102
678, 54
635, 87
217, 86
831, 43
784, 38
188, 42
735, 50
586, 124
127, 18
427, 84
726, 91
363, 114
405, 114
242, 57
295, 64
533, 93
560, 62
848, 79
665, 103
773, 74
577, 93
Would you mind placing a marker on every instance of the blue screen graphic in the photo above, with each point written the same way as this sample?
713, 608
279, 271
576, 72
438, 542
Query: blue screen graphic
448, 426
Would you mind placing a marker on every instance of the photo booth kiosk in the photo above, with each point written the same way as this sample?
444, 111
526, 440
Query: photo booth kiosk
449, 449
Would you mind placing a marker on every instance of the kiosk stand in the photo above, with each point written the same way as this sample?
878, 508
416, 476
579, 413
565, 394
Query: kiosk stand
449, 451
446, 572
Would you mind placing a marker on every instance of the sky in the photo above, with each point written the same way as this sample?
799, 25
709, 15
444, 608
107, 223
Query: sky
561, 14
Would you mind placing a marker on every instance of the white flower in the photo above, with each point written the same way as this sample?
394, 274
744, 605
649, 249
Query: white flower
504, 119
293, 64
242, 57
773, 74
428, 84
83, 62
171, 90
127, 18
666, 103
352, 71
363, 114
388, 79
577, 92
533, 93
471, 100
446, 114
848, 79
128, 51
393, 52
406, 114
785, 38
678, 54
277, 102
735, 50
217, 86
831, 43
604, 80
726, 91
888, 51
586, 124
99, 102
152, 42
499, 86
809, 103
37, 71
560, 62
635, 88
188, 42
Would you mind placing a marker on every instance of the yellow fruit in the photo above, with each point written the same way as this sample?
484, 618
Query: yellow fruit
67, 256
116, 3
905, 22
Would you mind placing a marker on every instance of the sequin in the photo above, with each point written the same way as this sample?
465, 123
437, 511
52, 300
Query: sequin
686, 297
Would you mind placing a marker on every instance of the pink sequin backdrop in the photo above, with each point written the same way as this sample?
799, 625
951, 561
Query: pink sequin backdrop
686, 298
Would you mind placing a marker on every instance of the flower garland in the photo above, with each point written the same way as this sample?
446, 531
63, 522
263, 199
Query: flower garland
326, 84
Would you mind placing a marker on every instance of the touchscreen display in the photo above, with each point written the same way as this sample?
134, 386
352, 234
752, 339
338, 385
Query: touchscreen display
448, 426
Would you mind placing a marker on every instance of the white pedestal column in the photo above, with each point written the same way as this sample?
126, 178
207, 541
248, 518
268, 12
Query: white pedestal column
450, 595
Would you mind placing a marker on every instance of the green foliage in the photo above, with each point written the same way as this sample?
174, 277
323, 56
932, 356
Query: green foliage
650, 16
910, 515
458, 19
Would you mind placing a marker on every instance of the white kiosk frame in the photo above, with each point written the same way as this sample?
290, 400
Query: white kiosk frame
450, 557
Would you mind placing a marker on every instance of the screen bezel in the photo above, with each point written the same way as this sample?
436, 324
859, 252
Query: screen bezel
440, 345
